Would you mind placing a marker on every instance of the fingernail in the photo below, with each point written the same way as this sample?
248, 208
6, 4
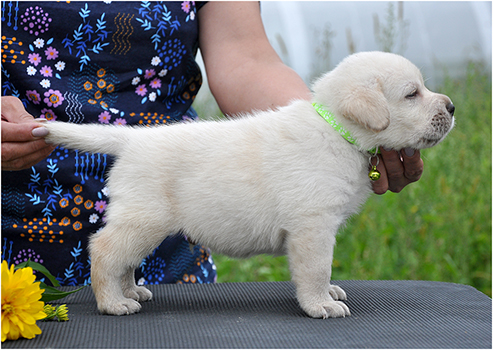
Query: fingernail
409, 152
387, 149
40, 132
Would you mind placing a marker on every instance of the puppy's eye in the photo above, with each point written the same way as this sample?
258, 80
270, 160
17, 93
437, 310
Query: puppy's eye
412, 94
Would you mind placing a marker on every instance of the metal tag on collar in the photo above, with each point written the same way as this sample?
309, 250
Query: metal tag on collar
374, 174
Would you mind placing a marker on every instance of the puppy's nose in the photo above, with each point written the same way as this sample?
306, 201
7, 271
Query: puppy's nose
450, 108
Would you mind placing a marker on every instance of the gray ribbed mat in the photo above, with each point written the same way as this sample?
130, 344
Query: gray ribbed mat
385, 314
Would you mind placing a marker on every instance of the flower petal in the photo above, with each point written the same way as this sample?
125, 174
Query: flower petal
16, 322
14, 333
31, 331
5, 326
27, 318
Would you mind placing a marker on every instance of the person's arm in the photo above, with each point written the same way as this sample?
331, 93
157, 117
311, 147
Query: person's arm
22, 138
243, 70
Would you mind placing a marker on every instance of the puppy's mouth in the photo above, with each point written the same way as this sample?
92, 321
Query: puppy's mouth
440, 127
427, 143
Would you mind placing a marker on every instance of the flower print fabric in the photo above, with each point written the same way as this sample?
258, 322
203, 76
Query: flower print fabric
124, 63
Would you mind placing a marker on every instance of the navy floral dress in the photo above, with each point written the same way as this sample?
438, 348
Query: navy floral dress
94, 62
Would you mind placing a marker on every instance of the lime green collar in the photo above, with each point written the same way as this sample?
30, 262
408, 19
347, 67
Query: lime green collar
329, 118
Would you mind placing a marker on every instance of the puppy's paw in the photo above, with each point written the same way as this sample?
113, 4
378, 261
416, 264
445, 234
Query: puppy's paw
337, 293
328, 309
138, 293
120, 307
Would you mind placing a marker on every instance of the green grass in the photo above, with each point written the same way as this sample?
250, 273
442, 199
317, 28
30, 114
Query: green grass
438, 228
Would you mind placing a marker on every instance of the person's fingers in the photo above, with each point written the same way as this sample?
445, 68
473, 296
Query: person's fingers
398, 169
413, 164
23, 155
23, 132
23, 145
22, 137
392, 173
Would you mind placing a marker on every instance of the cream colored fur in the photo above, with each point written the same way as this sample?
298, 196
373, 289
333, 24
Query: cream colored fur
275, 182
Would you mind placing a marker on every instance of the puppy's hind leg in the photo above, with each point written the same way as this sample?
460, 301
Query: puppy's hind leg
310, 256
107, 272
115, 252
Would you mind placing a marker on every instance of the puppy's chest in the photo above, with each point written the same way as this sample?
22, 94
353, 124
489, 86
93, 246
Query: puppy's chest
358, 199
355, 189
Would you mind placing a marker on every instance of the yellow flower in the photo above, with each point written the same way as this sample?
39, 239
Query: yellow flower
61, 313
49, 310
21, 306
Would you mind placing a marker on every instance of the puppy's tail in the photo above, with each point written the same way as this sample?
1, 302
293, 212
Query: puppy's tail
93, 138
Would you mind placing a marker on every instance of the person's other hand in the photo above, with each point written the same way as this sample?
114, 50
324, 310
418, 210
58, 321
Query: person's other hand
397, 169
22, 138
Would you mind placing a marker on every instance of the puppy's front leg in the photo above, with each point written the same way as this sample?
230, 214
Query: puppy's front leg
131, 290
310, 257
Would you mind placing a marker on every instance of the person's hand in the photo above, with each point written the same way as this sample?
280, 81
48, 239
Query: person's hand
22, 138
397, 169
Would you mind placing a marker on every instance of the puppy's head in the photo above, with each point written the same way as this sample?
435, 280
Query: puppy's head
382, 100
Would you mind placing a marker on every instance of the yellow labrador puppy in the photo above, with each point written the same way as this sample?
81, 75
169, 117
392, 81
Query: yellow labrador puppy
275, 182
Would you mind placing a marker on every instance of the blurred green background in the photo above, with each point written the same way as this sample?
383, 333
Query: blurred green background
437, 229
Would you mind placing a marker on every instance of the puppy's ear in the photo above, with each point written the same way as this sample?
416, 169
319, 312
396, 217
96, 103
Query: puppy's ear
367, 105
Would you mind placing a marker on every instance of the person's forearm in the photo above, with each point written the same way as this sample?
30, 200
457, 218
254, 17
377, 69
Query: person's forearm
285, 87
243, 70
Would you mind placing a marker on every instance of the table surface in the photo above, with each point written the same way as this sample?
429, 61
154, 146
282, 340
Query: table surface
384, 314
